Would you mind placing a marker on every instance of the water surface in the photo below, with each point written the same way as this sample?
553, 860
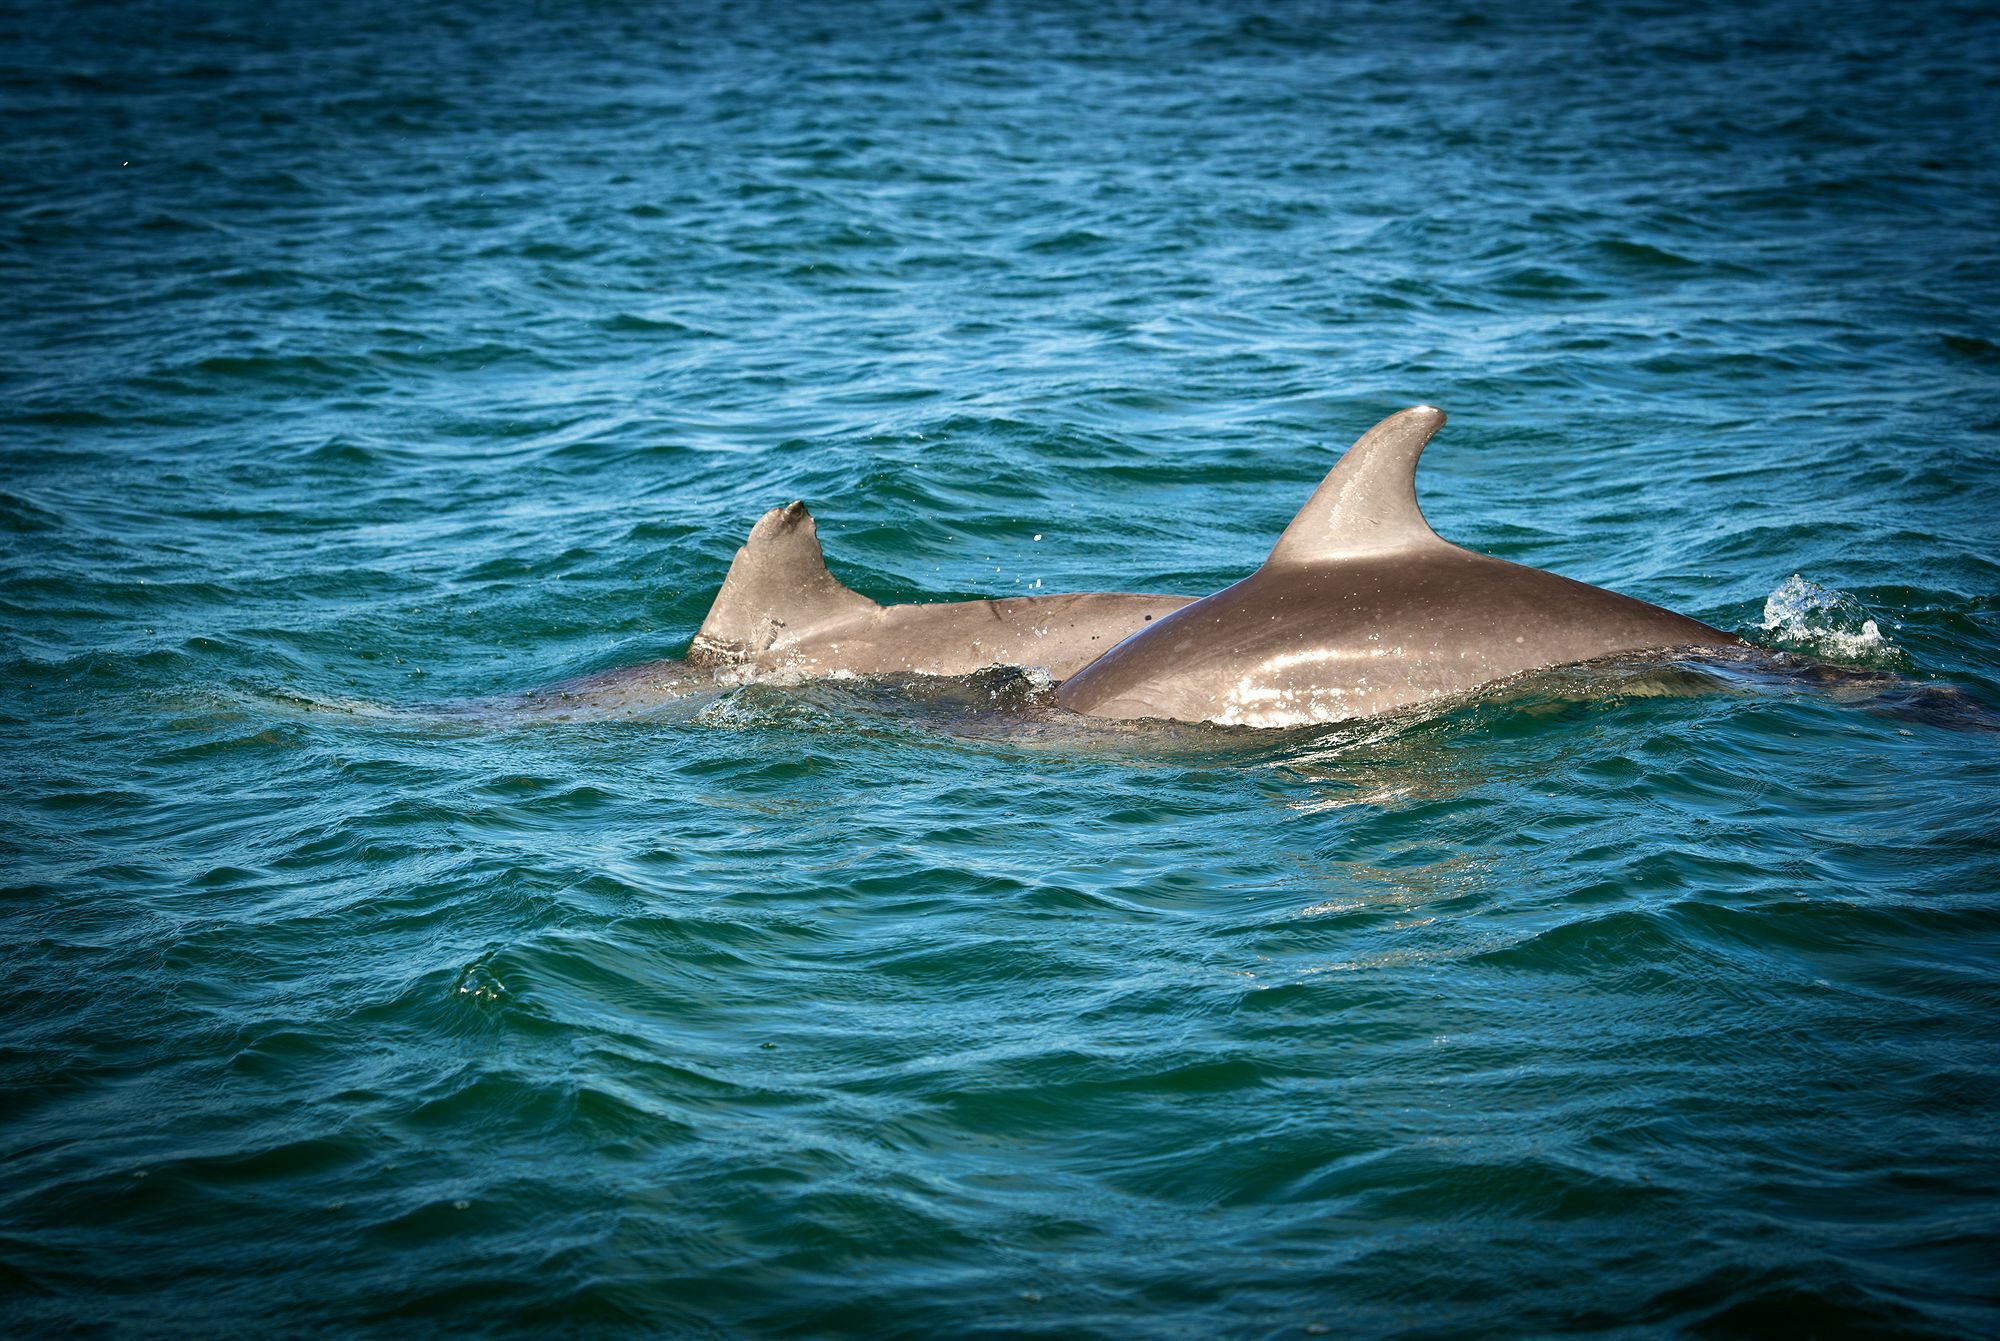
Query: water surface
361, 359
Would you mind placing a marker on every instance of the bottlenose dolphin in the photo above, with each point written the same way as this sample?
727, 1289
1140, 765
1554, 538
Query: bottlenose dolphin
780, 609
781, 612
1362, 609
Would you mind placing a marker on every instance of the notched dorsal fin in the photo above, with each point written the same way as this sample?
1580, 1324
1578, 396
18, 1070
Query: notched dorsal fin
778, 588
1368, 502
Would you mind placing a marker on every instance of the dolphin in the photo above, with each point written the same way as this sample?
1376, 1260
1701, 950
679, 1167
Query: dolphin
781, 612
1362, 609
781, 609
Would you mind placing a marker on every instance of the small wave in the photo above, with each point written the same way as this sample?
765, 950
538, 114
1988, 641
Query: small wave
479, 982
633, 323
1972, 347
1805, 616
1643, 256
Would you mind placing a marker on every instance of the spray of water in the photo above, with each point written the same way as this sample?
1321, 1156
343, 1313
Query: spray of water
1805, 616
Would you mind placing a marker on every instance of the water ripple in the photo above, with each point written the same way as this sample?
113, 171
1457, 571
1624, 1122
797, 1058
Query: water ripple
370, 368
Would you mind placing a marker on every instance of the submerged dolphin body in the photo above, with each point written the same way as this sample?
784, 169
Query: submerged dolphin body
780, 609
1362, 609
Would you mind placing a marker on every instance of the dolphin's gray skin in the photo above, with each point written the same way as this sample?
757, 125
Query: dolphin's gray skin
624, 691
780, 609
1362, 609
781, 612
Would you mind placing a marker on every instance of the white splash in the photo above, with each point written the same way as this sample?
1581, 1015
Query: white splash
1803, 614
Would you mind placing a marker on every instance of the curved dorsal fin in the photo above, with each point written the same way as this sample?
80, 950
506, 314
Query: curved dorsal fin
778, 588
1368, 502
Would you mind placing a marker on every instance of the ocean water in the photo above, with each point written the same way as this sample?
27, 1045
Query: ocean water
361, 361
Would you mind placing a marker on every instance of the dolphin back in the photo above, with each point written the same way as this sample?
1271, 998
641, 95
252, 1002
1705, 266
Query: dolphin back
1362, 609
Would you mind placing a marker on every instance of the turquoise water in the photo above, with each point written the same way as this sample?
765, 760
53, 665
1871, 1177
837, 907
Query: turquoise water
363, 360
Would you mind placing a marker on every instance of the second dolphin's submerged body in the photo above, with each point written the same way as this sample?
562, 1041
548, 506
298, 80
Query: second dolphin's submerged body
1362, 609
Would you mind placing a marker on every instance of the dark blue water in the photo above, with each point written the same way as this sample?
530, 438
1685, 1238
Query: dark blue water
359, 360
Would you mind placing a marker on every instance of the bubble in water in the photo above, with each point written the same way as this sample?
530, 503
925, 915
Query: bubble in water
480, 983
1804, 615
